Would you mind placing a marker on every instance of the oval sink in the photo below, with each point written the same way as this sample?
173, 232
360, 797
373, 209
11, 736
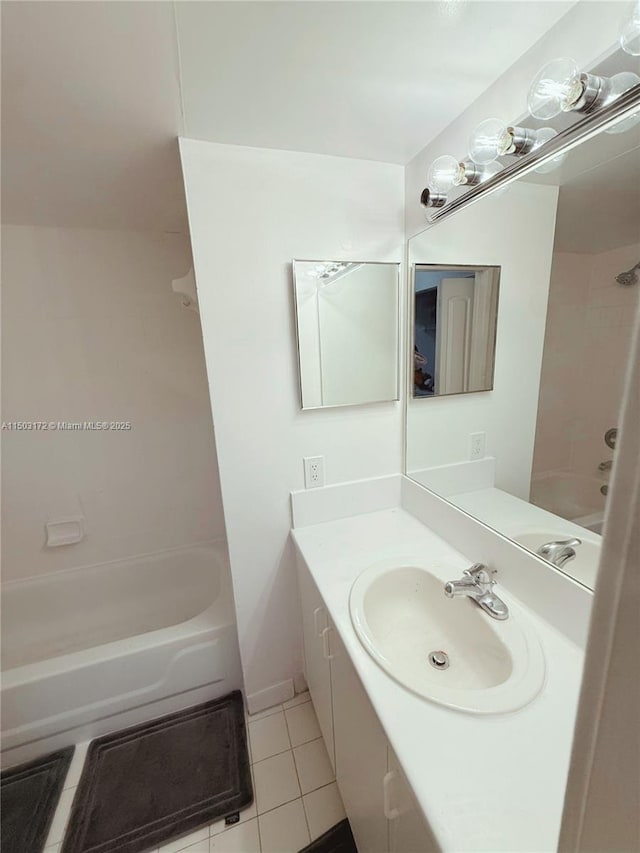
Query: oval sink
446, 650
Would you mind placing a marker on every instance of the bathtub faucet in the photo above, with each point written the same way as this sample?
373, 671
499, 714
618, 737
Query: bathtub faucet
559, 552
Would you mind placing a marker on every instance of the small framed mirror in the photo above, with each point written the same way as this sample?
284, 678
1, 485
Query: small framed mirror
455, 310
347, 318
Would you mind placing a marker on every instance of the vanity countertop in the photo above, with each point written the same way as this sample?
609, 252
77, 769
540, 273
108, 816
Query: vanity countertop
484, 782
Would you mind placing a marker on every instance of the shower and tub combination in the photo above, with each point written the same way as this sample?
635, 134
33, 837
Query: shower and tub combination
92, 650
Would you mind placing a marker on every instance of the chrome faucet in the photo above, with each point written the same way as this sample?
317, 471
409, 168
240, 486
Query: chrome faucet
559, 552
478, 584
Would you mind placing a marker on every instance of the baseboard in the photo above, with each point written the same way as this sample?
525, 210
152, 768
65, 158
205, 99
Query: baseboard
299, 682
270, 696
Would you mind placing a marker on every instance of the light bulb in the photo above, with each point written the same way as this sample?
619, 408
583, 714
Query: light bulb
556, 88
485, 141
619, 84
630, 34
443, 174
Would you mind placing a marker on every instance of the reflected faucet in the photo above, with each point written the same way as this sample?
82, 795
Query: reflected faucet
478, 584
559, 552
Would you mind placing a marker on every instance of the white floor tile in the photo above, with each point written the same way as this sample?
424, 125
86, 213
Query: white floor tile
276, 781
324, 809
198, 847
56, 833
313, 766
284, 830
245, 815
268, 736
77, 763
198, 837
241, 838
299, 699
302, 723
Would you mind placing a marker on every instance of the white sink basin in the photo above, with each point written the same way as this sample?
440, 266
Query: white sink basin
583, 567
402, 616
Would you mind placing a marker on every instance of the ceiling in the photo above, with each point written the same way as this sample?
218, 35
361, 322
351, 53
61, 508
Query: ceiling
94, 94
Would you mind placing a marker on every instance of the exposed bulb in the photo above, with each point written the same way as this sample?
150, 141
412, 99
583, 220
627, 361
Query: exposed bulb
556, 88
443, 174
630, 34
485, 141
619, 84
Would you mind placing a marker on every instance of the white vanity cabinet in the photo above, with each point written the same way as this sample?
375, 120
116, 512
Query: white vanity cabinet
361, 753
315, 632
408, 832
381, 808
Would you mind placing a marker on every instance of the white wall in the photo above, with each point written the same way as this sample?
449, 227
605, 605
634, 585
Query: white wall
514, 231
588, 32
92, 331
252, 211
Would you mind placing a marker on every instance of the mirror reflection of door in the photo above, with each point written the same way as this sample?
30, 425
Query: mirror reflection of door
454, 329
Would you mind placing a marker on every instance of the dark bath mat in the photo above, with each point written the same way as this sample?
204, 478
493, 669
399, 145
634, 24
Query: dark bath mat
28, 798
148, 784
338, 839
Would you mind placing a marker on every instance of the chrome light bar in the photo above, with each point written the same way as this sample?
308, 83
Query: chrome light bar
587, 127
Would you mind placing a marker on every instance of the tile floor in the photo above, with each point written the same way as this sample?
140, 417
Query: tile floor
296, 797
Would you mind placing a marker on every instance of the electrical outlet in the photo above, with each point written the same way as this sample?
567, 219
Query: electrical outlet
477, 442
313, 472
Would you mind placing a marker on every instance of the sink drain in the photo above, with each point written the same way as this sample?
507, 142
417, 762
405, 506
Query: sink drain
439, 659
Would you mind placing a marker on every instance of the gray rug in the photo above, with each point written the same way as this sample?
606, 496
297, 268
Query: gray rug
29, 795
143, 786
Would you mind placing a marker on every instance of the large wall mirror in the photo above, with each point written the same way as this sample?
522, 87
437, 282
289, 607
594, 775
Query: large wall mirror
533, 456
347, 317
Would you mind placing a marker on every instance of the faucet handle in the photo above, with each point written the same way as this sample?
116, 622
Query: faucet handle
481, 574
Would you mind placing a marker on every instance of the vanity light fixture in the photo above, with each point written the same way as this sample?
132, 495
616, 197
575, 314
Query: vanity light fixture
561, 87
630, 34
618, 112
493, 138
430, 198
446, 173
472, 174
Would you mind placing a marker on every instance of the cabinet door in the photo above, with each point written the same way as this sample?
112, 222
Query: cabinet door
361, 753
408, 831
315, 630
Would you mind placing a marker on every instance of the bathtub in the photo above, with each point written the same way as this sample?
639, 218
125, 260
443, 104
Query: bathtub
93, 650
571, 496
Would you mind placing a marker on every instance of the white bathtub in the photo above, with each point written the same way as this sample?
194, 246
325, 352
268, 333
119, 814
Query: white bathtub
92, 650
571, 496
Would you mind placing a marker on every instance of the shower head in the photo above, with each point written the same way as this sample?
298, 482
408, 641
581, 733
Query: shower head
629, 277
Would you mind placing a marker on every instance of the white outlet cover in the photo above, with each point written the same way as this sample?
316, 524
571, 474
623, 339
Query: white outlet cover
313, 472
